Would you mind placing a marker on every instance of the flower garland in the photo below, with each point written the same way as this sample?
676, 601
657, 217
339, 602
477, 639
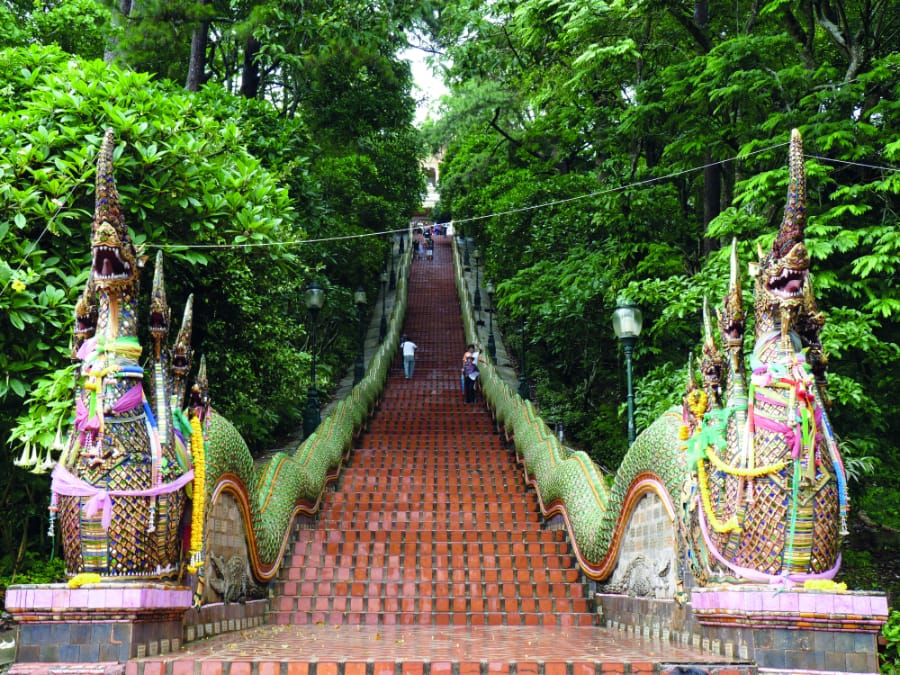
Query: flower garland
721, 465
199, 506
717, 525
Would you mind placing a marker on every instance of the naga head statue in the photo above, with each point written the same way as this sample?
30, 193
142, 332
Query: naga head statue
86, 314
783, 273
160, 312
115, 263
182, 353
730, 317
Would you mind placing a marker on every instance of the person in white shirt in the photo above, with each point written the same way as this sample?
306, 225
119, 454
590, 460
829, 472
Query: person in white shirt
408, 348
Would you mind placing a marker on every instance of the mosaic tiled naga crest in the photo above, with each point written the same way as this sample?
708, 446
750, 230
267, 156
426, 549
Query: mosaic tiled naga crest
119, 489
767, 491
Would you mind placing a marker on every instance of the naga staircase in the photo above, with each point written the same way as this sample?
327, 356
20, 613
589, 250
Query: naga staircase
431, 522
428, 554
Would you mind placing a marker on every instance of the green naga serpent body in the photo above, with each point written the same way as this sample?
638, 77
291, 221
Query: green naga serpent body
747, 468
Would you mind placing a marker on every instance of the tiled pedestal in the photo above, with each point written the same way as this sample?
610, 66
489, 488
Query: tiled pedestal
109, 622
783, 630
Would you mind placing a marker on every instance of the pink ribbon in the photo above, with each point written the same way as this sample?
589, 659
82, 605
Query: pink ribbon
130, 400
794, 440
66, 483
87, 349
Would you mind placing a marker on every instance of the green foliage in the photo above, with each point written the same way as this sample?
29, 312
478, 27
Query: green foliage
890, 657
33, 569
79, 27
184, 177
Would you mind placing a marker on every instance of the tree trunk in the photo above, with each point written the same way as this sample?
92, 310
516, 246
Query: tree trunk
197, 65
250, 79
712, 202
120, 20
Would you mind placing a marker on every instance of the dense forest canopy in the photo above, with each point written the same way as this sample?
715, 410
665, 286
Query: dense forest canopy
604, 150
594, 151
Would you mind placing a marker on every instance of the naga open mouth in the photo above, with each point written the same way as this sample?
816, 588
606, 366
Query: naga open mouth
109, 265
85, 325
180, 364
789, 284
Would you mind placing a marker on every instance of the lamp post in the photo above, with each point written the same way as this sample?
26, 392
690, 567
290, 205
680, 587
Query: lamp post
393, 279
466, 262
492, 344
477, 301
627, 320
401, 247
523, 374
382, 329
313, 298
359, 371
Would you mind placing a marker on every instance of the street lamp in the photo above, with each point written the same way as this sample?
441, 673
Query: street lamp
359, 370
627, 320
392, 284
492, 344
523, 374
466, 253
382, 329
313, 298
393, 280
401, 247
477, 302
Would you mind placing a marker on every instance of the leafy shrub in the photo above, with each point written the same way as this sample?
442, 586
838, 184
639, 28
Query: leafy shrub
890, 654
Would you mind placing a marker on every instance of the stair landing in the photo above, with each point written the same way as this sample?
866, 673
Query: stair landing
430, 650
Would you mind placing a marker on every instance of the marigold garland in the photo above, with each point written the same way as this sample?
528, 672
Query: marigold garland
199, 507
80, 580
717, 525
824, 585
721, 465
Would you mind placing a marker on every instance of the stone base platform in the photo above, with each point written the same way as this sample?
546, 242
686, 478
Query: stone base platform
784, 630
103, 623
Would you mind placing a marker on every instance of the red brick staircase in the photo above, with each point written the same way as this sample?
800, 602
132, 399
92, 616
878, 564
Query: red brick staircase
428, 556
431, 522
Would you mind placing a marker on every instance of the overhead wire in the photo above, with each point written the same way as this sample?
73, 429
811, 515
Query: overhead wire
532, 207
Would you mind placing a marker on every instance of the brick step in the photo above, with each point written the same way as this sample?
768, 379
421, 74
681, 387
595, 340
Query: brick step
537, 594
390, 582
430, 555
511, 660
393, 521
487, 540
430, 479
447, 463
465, 432
424, 550
418, 617
397, 471
452, 467
457, 514
539, 568
404, 457
431, 489
421, 491
436, 496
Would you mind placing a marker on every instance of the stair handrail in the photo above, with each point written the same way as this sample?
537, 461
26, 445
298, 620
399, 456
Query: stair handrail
567, 484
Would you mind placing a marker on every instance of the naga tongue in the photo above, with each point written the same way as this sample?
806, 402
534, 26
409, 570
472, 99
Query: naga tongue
794, 286
106, 269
